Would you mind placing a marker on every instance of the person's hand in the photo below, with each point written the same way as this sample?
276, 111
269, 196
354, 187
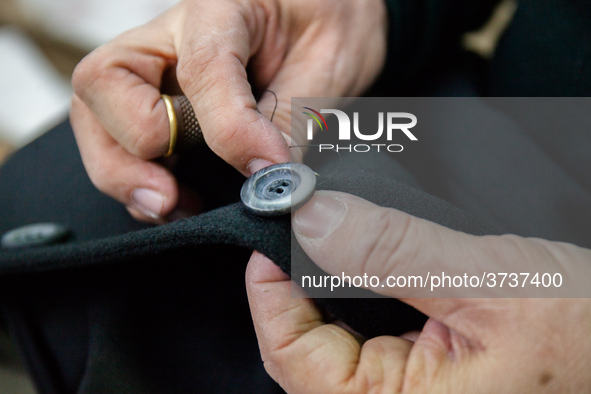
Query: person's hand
470, 345
205, 48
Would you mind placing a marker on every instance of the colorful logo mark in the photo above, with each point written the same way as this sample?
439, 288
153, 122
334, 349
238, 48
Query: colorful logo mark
315, 117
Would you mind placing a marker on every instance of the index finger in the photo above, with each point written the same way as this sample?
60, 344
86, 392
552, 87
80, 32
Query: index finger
210, 43
211, 72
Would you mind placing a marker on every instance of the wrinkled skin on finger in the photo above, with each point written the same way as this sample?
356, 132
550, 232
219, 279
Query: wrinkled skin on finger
215, 50
468, 345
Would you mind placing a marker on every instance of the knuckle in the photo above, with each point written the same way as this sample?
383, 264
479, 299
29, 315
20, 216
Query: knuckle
226, 134
196, 60
142, 143
273, 362
228, 138
86, 73
75, 104
272, 359
391, 246
234, 142
101, 176
374, 380
146, 134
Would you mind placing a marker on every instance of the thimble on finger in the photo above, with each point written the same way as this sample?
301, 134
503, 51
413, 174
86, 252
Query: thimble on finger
185, 132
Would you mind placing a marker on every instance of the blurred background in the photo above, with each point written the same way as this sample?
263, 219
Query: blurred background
41, 42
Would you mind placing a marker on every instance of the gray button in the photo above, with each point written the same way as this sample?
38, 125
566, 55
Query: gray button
34, 235
278, 189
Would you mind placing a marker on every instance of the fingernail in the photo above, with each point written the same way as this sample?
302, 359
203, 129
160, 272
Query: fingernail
257, 164
148, 202
319, 217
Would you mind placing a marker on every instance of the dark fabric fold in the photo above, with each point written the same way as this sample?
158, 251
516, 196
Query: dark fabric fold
110, 277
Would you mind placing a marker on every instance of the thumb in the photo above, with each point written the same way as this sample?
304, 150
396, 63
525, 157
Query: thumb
348, 236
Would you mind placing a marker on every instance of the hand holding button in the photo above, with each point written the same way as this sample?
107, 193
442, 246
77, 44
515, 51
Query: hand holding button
201, 49
468, 345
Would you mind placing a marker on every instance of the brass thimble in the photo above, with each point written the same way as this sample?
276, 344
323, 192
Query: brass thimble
185, 132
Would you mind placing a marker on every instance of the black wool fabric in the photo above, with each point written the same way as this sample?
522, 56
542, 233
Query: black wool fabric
126, 307
138, 308
50, 292
229, 225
